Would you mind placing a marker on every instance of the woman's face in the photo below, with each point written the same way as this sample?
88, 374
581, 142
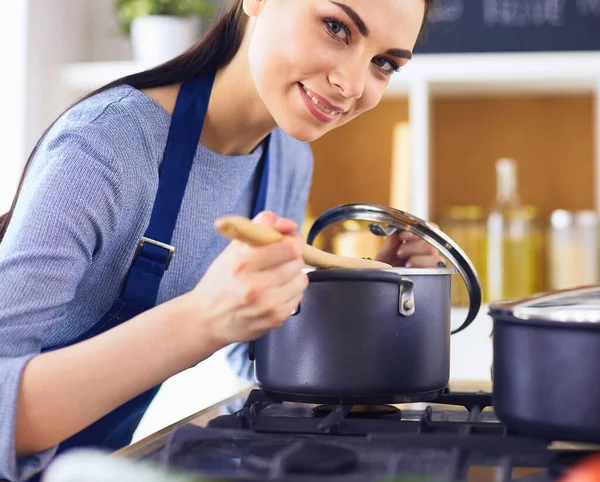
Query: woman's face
317, 64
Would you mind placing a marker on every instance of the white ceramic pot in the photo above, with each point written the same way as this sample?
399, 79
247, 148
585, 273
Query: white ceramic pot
158, 38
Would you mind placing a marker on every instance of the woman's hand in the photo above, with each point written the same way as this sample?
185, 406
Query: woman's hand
405, 249
249, 290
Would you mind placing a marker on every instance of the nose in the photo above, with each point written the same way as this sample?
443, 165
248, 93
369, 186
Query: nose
349, 78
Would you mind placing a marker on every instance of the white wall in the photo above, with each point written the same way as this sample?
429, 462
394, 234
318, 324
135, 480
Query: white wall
38, 37
105, 41
13, 48
57, 35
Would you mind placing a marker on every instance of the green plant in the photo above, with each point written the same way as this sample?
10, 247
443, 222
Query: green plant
127, 10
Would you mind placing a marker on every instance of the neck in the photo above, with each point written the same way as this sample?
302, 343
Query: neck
237, 120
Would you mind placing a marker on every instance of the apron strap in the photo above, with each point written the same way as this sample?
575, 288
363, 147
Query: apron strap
180, 151
154, 252
260, 203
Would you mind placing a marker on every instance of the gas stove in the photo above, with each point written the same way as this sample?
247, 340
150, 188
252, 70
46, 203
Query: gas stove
455, 437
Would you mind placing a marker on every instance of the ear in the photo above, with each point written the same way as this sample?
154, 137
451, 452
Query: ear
252, 7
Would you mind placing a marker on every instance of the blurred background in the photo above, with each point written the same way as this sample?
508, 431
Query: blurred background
492, 131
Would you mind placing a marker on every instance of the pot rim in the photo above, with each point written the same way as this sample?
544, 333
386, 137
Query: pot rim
400, 271
504, 318
573, 306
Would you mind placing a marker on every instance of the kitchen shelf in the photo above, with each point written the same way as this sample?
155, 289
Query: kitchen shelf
545, 72
432, 75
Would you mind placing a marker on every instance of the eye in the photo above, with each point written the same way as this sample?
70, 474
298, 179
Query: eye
337, 29
387, 66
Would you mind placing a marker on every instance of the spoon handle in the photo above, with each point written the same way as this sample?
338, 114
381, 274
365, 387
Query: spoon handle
242, 229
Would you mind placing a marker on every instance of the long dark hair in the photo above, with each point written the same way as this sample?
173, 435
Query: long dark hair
213, 51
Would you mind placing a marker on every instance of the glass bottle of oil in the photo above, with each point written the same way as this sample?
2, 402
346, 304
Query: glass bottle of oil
510, 272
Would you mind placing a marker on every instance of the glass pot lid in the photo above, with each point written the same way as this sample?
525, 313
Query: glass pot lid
573, 305
393, 220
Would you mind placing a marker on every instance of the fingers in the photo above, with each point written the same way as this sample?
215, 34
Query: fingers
423, 262
285, 226
274, 296
269, 218
415, 248
261, 258
261, 323
387, 254
408, 236
291, 289
414, 252
272, 255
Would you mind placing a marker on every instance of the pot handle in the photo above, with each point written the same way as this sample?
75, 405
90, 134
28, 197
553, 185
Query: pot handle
407, 222
406, 298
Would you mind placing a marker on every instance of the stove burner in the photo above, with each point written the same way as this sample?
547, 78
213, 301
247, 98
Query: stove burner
320, 458
360, 411
301, 458
344, 400
260, 456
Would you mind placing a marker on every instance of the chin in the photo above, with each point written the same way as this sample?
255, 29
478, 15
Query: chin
302, 130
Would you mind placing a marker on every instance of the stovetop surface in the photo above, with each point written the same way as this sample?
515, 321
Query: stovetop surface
456, 437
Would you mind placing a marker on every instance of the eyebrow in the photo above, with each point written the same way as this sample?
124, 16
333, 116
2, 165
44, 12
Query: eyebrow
401, 53
360, 25
364, 30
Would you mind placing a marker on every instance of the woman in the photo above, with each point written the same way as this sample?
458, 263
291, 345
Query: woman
113, 221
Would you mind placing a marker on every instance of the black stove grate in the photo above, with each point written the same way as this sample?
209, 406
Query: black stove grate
283, 441
263, 415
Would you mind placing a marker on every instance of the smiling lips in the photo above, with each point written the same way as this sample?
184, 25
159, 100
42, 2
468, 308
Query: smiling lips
320, 108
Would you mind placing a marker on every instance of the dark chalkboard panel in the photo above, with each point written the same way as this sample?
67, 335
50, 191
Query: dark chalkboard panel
512, 26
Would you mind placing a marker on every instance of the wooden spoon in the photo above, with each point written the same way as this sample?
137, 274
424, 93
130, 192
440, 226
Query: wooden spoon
242, 229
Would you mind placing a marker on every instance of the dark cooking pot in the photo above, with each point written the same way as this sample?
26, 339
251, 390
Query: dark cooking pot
364, 335
546, 378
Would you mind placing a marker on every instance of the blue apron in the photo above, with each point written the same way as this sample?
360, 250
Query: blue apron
154, 253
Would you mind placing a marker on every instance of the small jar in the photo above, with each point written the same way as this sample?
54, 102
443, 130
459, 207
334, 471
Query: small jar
466, 226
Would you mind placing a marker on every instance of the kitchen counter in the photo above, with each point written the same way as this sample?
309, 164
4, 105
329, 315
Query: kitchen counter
157, 440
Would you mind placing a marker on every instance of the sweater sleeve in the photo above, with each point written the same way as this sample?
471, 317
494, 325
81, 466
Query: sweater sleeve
66, 211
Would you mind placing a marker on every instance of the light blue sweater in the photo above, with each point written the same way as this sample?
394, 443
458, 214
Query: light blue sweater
85, 204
